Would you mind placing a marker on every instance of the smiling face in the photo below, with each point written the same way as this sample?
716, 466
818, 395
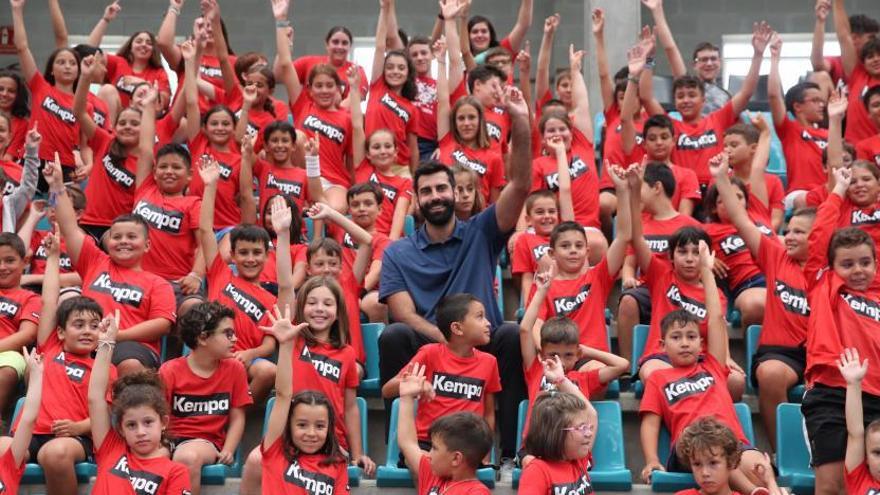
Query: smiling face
683, 344
171, 174
141, 428
128, 127
338, 46
396, 71
142, 47
319, 310
80, 332
864, 188
421, 57
855, 265
382, 150
12, 266
873, 106
279, 147
797, 237
707, 64
570, 251
8, 92
219, 127
689, 102
812, 108
480, 37
543, 216
324, 263
249, 257
126, 243
436, 198
555, 128
324, 90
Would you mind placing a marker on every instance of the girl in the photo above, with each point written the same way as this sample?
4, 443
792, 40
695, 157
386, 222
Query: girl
468, 201
584, 180
15, 449
128, 435
15, 103
464, 139
258, 108
52, 96
561, 437
111, 186
392, 91
319, 114
298, 248
481, 35
375, 157
11, 169
217, 141
338, 45
209, 371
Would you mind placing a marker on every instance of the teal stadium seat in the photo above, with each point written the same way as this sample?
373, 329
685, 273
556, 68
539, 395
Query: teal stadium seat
389, 475
753, 335
792, 453
499, 289
640, 338
598, 127
370, 384
662, 481
354, 472
409, 225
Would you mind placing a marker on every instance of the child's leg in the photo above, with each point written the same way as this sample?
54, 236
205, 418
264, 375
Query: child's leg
376, 312
632, 308
335, 196
829, 478
134, 357
262, 377
12, 366
194, 454
742, 479
774, 378
736, 384
750, 304
57, 458
252, 474
597, 243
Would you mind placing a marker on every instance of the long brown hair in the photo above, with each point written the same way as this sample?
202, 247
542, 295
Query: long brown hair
339, 335
155, 60
330, 449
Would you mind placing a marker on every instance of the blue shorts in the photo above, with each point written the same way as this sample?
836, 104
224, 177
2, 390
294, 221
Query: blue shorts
756, 281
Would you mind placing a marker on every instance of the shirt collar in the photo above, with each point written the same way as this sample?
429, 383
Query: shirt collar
423, 241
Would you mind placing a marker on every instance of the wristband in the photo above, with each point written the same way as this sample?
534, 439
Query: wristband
111, 344
632, 79
557, 382
174, 10
313, 166
282, 23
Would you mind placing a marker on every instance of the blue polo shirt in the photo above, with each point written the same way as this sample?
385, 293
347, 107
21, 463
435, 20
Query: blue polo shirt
463, 263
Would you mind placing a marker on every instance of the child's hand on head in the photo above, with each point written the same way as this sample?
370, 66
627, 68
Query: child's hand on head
282, 328
209, 170
850, 367
719, 165
281, 215
553, 370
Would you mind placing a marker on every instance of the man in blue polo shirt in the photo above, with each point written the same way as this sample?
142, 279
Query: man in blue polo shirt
447, 256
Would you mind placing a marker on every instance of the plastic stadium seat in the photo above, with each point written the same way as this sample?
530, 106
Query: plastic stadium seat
598, 127
640, 338
370, 384
613, 389
792, 453
354, 472
734, 317
389, 475
753, 335
33, 473
499, 289
409, 225
662, 481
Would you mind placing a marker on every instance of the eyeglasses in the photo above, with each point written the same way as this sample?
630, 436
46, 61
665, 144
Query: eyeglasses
706, 60
584, 429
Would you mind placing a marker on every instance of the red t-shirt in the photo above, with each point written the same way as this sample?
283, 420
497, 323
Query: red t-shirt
460, 383
166, 127
587, 381
694, 491
53, 109
174, 224
138, 295
542, 477
583, 300
486, 162
19, 129
426, 103
817, 195
209, 71
10, 473
306, 475
111, 184
860, 482
431, 484
527, 251
99, 111
869, 149
226, 209
859, 125
658, 232
681, 396
696, 144
13, 172
802, 147
304, 66
290, 182
393, 187
867, 219
200, 407
775, 194
333, 129
388, 110
612, 146
118, 68
584, 181
298, 254
786, 310
498, 128
730, 248
669, 293
258, 117
17, 306
326, 369
249, 301
121, 471
38, 258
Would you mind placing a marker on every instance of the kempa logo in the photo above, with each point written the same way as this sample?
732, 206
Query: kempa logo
576, 168
142, 482
328, 368
395, 107
247, 304
692, 306
706, 140
793, 300
65, 114
211, 72
10, 186
569, 304
873, 491
387, 189
64, 262
580, 487
348, 242
765, 230
286, 187
460, 157
8, 307
540, 250
458, 387
185, 406
158, 217
821, 143
329, 131
688, 386
122, 293
225, 170
74, 371
732, 244
117, 173
494, 131
859, 217
313, 483
123, 85
862, 306
657, 243
99, 117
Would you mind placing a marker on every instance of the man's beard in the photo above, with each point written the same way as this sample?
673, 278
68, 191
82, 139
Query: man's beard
441, 217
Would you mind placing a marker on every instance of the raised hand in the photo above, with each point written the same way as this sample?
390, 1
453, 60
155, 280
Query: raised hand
33, 359
249, 95
575, 58
33, 137
52, 242
209, 170
707, 257
524, 59
280, 9
775, 45
842, 180
757, 119
52, 173
109, 328
516, 104
438, 49
282, 328
111, 11
837, 105
851, 368
87, 67
551, 23
178, 4
648, 41
312, 145
761, 35
17, 4
719, 165
617, 174
823, 7
450, 9
412, 382
636, 59
281, 215
320, 211
553, 370
598, 18
188, 50
653, 5
543, 278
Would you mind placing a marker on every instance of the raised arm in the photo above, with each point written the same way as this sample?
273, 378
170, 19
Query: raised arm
566, 203
283, 51
281, 220
616, 253
23, 433
614, 364
99, 412
523, 23
25, 56
524, 63
59, 27
65, 215
467, 56
285, 333
392, 39
636, 58
545, 57
837, 107
719, 167
248, 97
761, 34
51, 287
246, 181
757, 179
664, 34
817, 53
358, 136
774, 83
209, 171
444, 109
849, 56
583, 121
191, 51
146, 139
379, 52
606, 85
110, 13
529, 331
80, 97
165, 36
512, 198
853, 371
640, 246
412, 386
221, 48
453, 13
717, 335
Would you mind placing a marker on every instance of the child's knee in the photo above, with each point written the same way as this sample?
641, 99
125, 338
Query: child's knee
262, 371
628, 306
774, 374
59, 453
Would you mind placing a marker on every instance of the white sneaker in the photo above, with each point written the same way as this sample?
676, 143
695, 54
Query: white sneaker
506, 472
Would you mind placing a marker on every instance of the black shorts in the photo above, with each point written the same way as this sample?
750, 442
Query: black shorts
178, 441
793, 357
37, 442
823, 410
180, 297
758, 281
97, 233
642, 295
135, 350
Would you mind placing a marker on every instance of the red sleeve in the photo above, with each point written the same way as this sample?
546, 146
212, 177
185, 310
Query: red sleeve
100, 142
30, 310
589, 382
496, 179
652, 401
862, 151
535, 479
724, 116
193, 212
113, 63
494, 383
690, 186
775, 192
458, 93
507, 45
241, 395
379, 245
364, 81
521, 260
824, 226
88, 254
784, 128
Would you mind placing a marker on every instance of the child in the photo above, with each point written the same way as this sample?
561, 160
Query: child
459, 442
37, 252
128, 434
869, 148
15, 449
207, 390
463, 378
862, 464
117, 281
300, 447
240, 291
216, 141
19, 318
694, 386
713, 452
542, 216
17, 192
468, 200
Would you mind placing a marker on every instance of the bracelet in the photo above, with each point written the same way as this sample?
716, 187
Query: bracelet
282, 23
632, 79
174, 10
557, 382
313, 166
111, 344
194, 275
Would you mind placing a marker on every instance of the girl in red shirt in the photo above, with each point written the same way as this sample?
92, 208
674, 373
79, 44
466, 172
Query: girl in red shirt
481, 34
14, 102
468, 200
217, 141
13, 459
128, 434
338, 45
258, 108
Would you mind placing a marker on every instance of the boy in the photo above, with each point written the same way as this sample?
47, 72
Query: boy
458, 443
460, 377
116, 279
486, 84
869, 148
741, 144
530, 246
660, 220
242, 291
695, 385
712, 452
862, 463
34, 240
